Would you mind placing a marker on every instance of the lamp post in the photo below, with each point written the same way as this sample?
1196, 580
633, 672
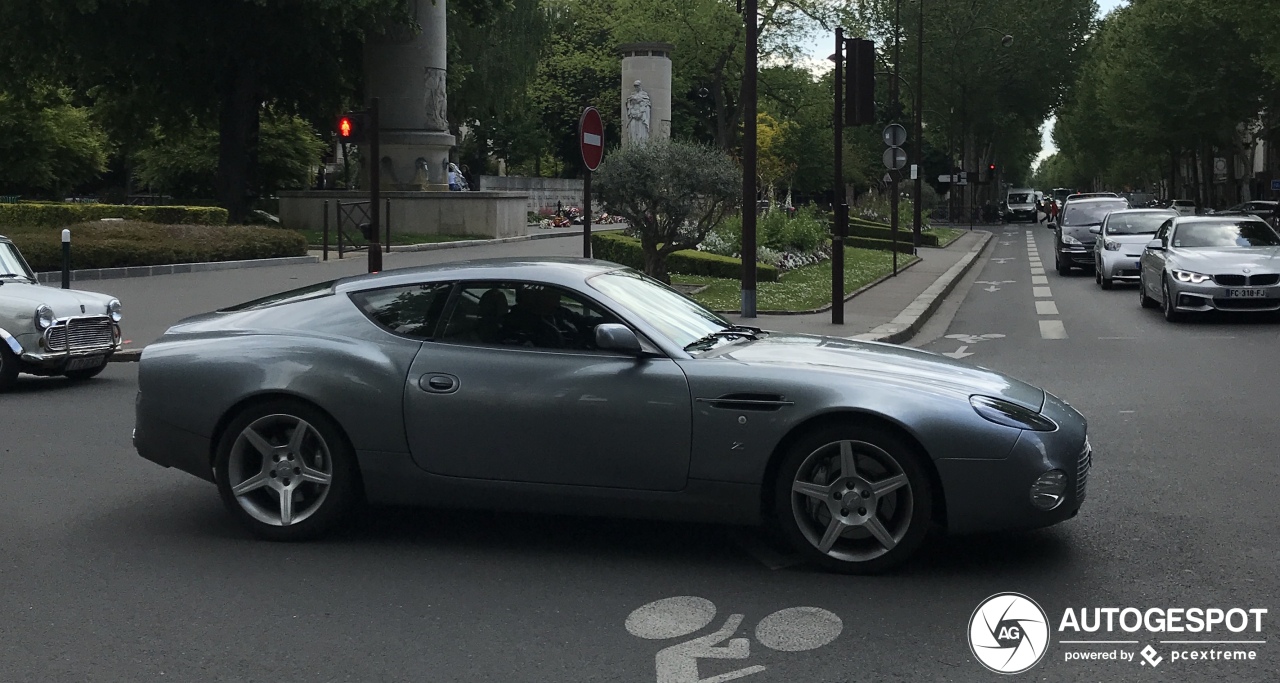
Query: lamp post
749, 150
918, 147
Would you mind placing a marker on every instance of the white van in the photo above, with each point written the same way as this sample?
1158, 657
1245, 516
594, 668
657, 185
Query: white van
1020, 204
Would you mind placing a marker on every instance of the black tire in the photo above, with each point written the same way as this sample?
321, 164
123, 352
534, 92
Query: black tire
8, 367
1097, 275
903, 514
1166, 306
82, 375
1106, 282
1063, 268
328, 505
1144, 300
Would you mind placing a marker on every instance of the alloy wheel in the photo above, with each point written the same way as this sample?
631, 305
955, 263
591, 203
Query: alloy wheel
852, 500
280, 470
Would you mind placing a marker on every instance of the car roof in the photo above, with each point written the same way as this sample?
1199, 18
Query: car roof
550, 269
1167, 212
1077, 199
1183, 220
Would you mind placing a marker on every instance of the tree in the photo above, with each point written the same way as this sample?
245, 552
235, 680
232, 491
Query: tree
48, 145
672, 193
772, 164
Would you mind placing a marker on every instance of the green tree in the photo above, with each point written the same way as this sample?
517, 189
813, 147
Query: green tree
48, 145
672, 193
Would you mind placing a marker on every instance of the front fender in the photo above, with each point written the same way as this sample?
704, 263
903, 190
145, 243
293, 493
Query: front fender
11, 341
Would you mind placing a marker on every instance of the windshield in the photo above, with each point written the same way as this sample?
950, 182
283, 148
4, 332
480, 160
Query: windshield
12, 264
1135, 223
1090, 213
678, 318
1226, 234
1020, 198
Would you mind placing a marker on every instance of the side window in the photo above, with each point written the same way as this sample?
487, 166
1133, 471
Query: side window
409, 310
524, 314
1163, 233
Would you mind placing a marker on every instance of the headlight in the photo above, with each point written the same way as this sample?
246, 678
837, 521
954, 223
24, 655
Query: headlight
113, 310
1188, 276
1068, 239
1111, 245
44, 317
1046, 492
1010, 414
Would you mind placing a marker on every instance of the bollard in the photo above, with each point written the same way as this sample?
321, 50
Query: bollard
66, 259
386, 218
325, 213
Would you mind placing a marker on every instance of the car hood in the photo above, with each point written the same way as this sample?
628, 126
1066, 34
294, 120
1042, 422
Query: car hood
64, 302
1080, 232
1022, 205
888, 362
1262, 258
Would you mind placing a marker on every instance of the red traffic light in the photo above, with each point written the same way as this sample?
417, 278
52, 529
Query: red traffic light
352, 127
992, 167
344, 127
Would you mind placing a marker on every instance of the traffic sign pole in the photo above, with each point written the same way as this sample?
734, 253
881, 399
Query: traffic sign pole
591, 144
840, 209
375, 189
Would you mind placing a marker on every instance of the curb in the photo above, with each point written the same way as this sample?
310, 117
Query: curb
914, 316
826, 307
172, 269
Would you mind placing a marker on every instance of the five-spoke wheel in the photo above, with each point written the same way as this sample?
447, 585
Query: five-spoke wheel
853, 499
285, 470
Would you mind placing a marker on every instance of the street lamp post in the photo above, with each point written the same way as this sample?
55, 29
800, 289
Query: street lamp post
918, 147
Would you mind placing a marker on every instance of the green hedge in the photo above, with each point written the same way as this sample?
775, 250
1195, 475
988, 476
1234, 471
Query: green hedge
55, 215
876, 231
116, 245
626, 251
904, 247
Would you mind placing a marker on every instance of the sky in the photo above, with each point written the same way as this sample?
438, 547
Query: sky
820, 47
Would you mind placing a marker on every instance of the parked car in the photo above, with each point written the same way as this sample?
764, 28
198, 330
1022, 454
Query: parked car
1073, 239
580, 386
1210, 263
1020, 204
1259, 207
1120, 241
47, 331
1184, 207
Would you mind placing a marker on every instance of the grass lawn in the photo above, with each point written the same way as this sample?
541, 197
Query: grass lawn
945, 235
316, 237
801, 289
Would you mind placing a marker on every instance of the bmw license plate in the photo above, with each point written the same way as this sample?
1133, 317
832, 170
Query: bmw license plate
86, 363
1246, 293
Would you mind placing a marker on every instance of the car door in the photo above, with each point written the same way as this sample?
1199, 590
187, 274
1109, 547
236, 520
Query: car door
513, 389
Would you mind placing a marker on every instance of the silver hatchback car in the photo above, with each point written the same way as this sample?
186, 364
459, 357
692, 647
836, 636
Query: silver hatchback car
1121, 239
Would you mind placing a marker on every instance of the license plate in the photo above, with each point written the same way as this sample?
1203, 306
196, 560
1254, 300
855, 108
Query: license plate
1246, 293
86, 363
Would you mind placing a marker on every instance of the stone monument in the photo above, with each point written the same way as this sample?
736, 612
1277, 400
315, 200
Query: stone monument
646, 92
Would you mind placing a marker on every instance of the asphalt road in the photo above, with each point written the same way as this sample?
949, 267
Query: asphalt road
114, 569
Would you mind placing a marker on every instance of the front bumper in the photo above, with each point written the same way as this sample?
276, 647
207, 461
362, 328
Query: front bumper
1210, 296
68, 340
994, 495
1078, 256
1120, 266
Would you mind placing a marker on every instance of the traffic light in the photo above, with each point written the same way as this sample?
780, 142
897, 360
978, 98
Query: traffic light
860, 82
353, 127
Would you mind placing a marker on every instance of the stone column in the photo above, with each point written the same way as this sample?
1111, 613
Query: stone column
407, 72
649, 63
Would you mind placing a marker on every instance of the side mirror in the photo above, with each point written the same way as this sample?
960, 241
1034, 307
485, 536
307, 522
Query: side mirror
615, 337
1096, 230
1157, 245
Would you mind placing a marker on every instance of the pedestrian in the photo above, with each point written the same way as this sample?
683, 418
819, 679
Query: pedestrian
454, 185
1053, 210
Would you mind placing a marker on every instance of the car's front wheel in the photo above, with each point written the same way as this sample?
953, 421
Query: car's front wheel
1144, 300
853, 499
1168, 305
1063, 268
285, 470
8, 367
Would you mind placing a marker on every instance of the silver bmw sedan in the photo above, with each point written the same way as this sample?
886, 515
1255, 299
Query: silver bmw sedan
1121, 239
1205, 263
580, 386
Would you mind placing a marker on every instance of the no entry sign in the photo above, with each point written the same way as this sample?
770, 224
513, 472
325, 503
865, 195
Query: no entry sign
591, 138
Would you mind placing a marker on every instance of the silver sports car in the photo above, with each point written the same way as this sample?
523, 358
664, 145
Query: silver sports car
1120, 241
580, 386
1205, 263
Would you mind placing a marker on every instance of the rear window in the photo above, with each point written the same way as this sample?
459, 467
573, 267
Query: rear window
1020, 199
408, 310
1091, 213
292, 296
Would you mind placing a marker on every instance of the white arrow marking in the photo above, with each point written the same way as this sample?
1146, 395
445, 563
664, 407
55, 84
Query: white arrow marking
992, 288
974, 338
958, 353
1003, 261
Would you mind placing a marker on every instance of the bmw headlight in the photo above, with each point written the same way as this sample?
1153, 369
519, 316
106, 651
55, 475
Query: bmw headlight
44, 317
1010, 414
1068, 239
1188, 276
1111, 245
113, 310
1046, 492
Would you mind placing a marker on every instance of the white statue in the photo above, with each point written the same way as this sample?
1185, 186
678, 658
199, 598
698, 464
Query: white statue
639, 113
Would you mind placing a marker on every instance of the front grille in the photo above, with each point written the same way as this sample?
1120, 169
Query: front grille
1127, 272
1245, 304
1082, 470
1264, 280
81, 334
1230, 280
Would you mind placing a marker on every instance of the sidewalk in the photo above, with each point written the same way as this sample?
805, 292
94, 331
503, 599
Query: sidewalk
894, 309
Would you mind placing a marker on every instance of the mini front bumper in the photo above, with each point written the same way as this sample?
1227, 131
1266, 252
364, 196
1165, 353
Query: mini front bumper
1210, 296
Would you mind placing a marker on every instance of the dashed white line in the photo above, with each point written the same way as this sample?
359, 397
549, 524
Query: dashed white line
1046, 308
1039, 280
1037, 271
1041, 292
1052, 329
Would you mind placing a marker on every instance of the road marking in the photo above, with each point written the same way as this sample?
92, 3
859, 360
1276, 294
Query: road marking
1041, 292
974, 338
1117, 337
1052, 329
1046, 308
1039, 280
1037, 271
1004, 260
958, 353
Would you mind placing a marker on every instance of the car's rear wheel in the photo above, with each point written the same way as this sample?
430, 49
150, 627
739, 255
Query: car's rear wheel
1170, 313
853, 499
8, 367
286, 471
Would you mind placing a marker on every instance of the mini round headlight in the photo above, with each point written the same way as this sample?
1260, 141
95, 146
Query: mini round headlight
1046, 492
44, 317
113, 310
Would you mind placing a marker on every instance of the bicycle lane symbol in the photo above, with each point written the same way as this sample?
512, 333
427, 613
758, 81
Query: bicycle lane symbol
795, 629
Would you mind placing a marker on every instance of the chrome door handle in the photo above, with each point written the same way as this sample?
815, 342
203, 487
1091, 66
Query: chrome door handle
438, 383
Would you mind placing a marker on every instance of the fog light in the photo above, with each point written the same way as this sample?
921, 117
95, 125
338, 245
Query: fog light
1046, 493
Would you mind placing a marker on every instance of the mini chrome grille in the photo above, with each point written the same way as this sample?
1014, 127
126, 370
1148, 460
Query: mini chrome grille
81, 334
1082, 469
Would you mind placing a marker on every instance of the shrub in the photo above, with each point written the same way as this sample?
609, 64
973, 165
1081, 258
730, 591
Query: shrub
627, 251
58, 215
116, 245
904, 247
867, 229
805, 232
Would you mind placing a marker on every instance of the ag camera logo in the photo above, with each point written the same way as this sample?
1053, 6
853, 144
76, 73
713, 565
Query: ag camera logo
1008, 633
